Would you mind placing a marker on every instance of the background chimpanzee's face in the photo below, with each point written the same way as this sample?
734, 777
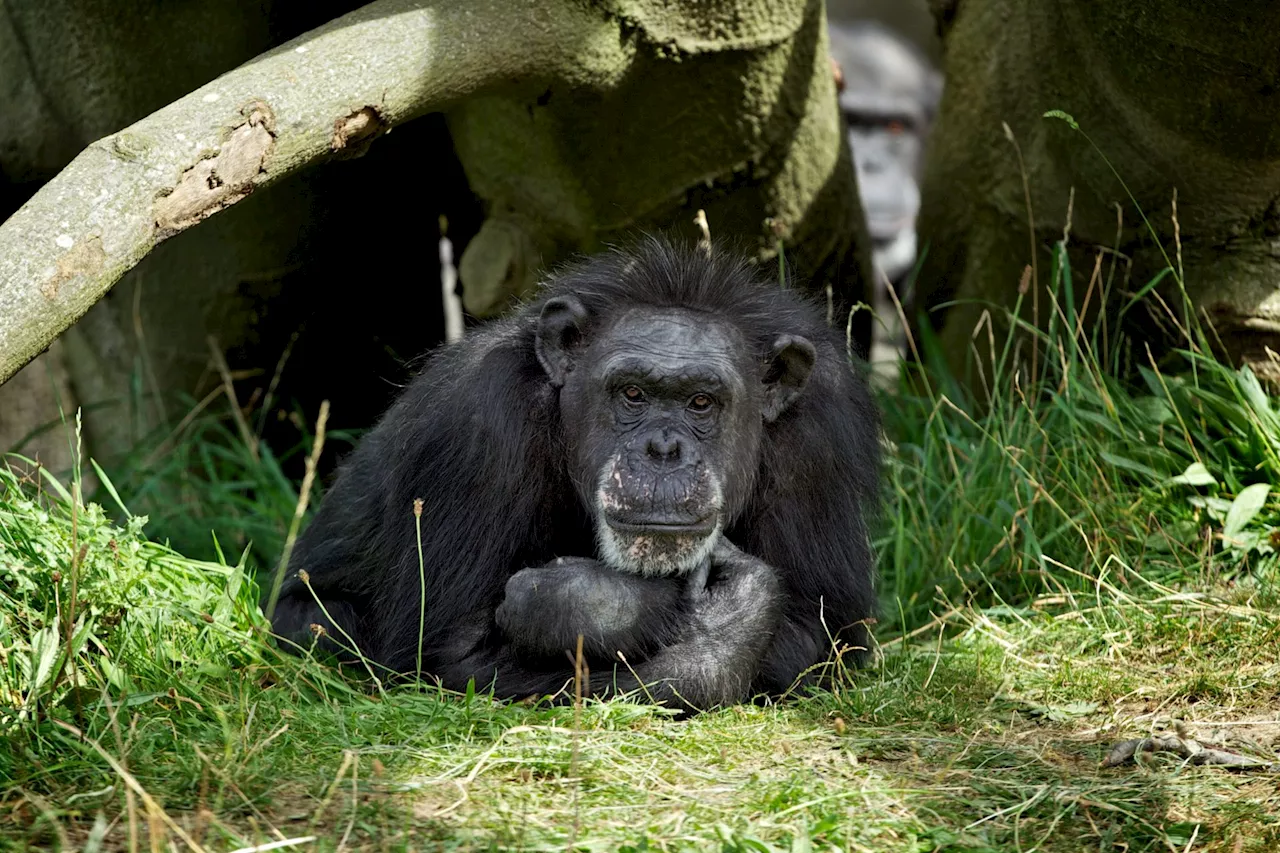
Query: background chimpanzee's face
663, 412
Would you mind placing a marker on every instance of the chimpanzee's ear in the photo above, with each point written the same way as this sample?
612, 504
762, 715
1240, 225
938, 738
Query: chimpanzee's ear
560, 325
788, 370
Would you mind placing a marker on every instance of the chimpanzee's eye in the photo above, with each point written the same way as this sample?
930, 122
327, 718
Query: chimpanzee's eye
633, 394
701, 403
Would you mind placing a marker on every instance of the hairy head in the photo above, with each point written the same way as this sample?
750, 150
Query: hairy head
669, 365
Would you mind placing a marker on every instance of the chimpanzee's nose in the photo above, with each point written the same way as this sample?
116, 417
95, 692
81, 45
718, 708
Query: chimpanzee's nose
662, 446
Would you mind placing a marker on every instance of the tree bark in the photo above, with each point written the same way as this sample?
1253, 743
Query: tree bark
633, 115
1178, 95
326, 92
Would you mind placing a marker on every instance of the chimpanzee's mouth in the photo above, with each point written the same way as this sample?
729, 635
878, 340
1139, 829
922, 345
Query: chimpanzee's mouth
701, 528
656, 547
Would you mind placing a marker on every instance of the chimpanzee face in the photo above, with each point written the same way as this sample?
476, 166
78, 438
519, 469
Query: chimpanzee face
667, 409
664, 411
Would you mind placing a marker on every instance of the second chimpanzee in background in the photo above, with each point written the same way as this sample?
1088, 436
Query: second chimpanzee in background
664, 452
889, 95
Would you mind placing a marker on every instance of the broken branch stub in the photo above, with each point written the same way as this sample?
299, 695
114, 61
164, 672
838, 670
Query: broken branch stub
217, 182
324, 94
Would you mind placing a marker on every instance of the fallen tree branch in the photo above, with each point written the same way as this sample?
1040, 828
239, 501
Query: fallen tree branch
1188, 748
321, 95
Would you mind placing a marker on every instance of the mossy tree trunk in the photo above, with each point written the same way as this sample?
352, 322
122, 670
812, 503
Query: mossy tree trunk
1180, 96
576, 123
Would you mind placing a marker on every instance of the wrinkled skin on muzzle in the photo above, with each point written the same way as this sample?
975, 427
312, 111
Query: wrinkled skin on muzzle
657, 520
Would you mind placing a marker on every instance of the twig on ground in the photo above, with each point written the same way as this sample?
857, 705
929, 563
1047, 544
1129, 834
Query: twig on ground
1190, 749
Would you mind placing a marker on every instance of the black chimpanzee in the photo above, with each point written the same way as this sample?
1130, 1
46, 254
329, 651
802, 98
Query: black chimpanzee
662, 452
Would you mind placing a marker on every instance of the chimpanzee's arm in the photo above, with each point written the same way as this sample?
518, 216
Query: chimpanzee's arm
547, 607
715, 637
724, 644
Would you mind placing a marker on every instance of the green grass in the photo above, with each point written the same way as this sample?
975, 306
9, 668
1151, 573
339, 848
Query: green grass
201, 476
987, 734
1077, 560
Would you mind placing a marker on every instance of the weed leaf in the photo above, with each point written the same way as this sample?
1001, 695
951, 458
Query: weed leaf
1246, 505
44, 653
1195, 475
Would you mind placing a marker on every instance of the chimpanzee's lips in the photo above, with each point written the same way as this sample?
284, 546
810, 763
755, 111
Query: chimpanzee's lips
637, 527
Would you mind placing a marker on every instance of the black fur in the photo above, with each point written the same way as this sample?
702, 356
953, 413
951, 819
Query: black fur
478, 438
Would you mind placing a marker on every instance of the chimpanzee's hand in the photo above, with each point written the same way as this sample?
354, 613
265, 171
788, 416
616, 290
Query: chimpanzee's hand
547, 607
732, 618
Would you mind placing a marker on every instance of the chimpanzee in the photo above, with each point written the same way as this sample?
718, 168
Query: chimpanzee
663, 452
889, 94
